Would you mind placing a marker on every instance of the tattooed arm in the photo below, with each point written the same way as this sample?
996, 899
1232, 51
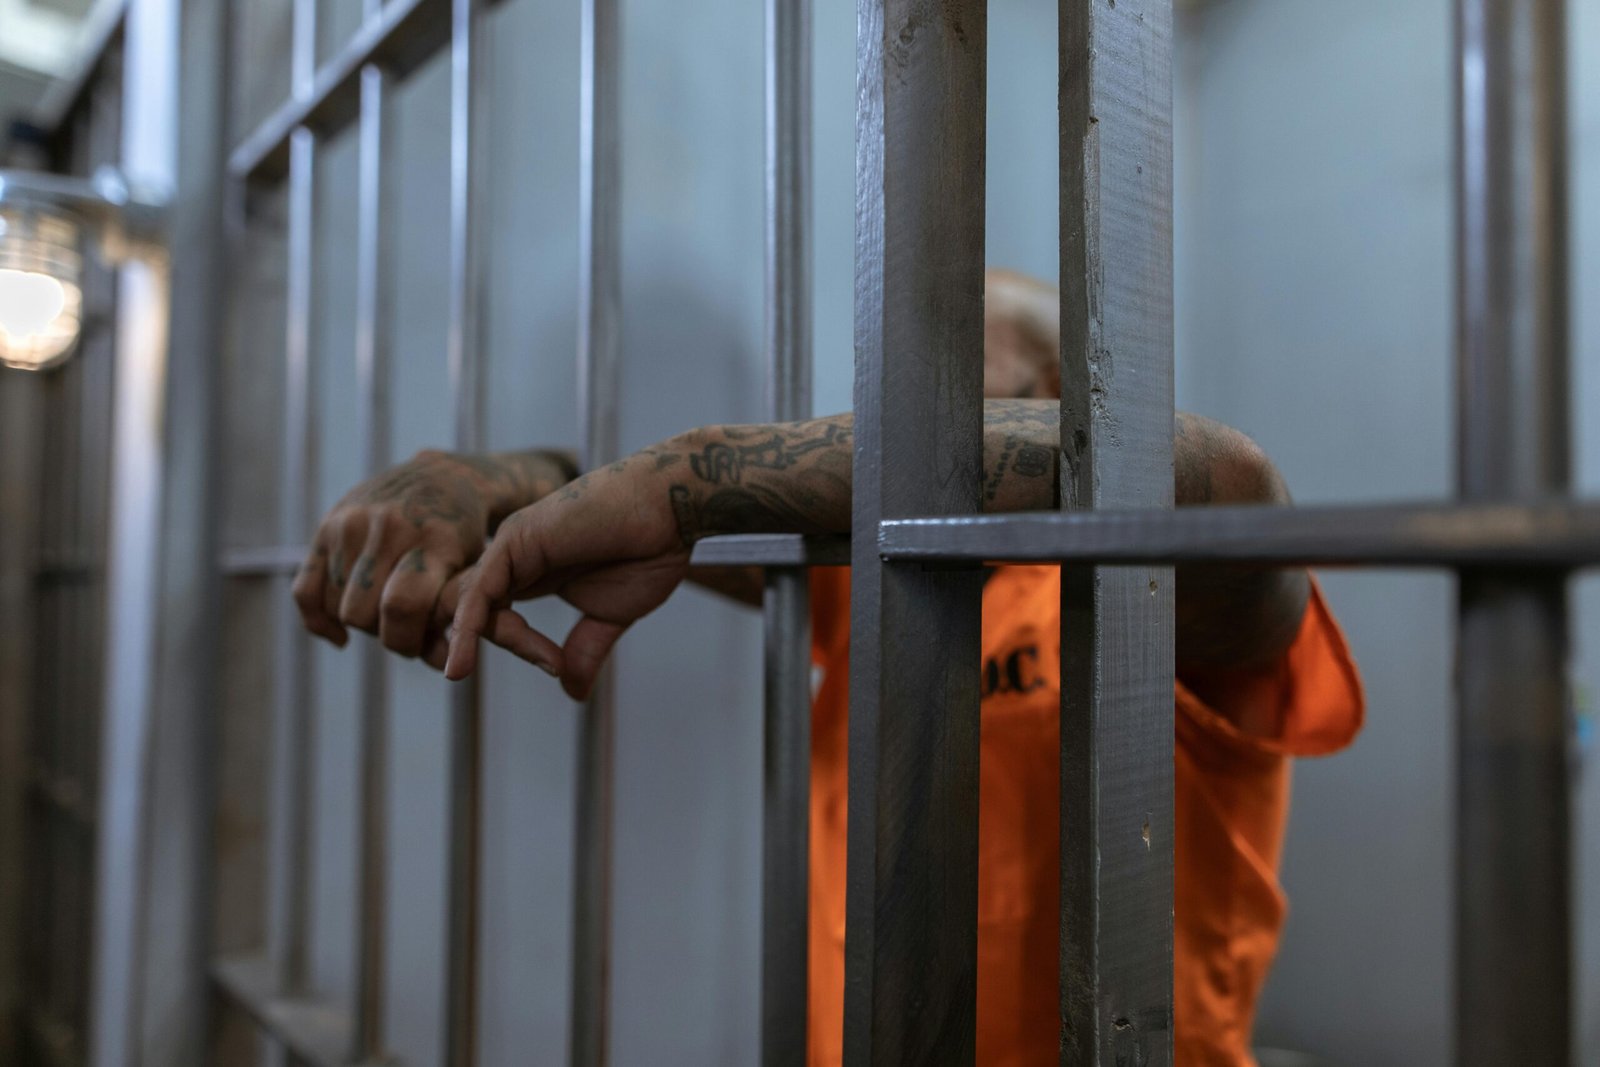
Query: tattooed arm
1229, 619
616, 542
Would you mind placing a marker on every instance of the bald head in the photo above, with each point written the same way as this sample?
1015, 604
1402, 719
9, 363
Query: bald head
1021, 337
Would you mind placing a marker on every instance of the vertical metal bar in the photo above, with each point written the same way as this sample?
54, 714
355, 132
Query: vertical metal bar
148, 136
1513, 898
788, 278
21, 477
786, 780
176, 911
289, 838
291, 820
303, 48
373, 253
599, 340
911, 898
468, 171
1117, 623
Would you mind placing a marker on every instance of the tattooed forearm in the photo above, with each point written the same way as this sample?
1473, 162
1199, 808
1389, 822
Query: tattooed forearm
778, 478
796, 478
1019, 455
781, 448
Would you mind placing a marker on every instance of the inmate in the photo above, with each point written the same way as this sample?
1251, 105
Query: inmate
1263, 672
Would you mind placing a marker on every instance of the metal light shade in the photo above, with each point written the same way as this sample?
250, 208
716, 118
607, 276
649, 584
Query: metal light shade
45, 220
41, 303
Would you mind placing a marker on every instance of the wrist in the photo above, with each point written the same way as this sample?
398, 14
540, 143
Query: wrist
507, 482
670, 478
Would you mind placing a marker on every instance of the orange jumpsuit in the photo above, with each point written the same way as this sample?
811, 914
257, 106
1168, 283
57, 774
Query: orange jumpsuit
1231, 802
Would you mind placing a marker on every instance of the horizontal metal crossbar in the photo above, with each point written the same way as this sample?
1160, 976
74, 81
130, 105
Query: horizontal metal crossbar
312, 1030
404, 35
755, 550
772, 550
263, 561
1397, 535
1377, 535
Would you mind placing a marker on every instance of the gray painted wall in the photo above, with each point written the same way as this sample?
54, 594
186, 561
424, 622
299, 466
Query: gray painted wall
1313, 286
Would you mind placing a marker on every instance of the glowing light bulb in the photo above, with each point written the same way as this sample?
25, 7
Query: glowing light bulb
29, 301
39, 296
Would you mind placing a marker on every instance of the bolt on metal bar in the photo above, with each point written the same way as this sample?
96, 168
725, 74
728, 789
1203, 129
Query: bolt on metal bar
374, 203
786, 778
599, 393
1513, 896
912, 864
1116, 447
290, 826
469, 98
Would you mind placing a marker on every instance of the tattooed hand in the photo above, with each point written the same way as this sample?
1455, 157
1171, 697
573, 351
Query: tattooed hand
608, 544
382, 556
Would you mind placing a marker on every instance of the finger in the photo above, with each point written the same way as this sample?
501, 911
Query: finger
369, 576
511, 632
486, 588
346, 544
444, 609
437, 652
308, 596
406, 608
585, 653
436, 640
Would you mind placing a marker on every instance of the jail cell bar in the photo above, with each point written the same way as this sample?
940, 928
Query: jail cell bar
911, 895
786, 606
1513, 923
599, 389
373, 354
1116, 829
469, 87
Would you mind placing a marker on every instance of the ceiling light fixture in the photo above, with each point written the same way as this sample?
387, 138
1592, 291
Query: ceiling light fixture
45, 222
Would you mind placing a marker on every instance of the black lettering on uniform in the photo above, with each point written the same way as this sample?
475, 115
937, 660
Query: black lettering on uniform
1017, 672
1014, 670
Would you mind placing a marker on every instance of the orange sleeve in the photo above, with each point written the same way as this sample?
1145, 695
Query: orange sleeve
1314, 695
